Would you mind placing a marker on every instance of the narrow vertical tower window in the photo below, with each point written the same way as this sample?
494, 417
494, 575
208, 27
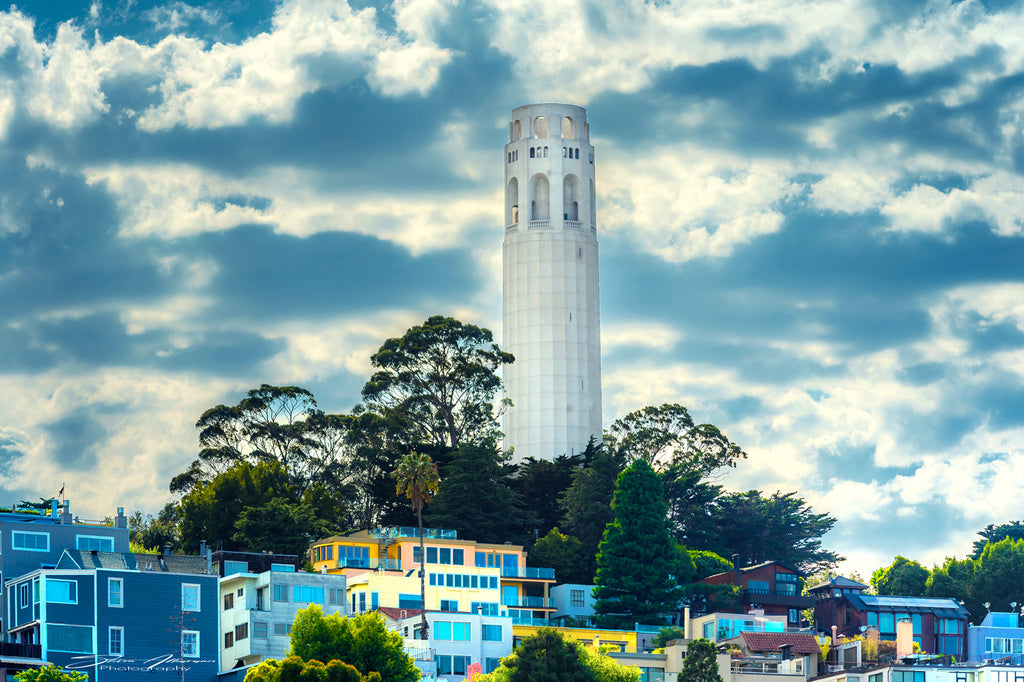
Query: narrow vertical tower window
551, 304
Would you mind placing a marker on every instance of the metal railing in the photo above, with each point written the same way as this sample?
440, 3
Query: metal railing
370, 562
16, 650
413, 532
744, 666
525, 602
527, 572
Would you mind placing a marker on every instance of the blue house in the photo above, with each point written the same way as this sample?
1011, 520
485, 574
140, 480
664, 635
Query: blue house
119, 616
1000, 637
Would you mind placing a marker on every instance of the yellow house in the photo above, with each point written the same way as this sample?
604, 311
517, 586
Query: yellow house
621, 641
381, 569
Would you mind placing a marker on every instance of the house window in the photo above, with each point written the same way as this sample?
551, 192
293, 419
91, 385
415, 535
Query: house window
409, 601
449, 604
282, 568
31, 542
576, 597
233, 567
446, 555
229, 640
362, 602
241, 592
241, 632
23, 594
229, 601
308, 594
115, 641
190, 643
491, 664
282, 628
484, 608
794, 615
458, 557
281, 593
442, 630
75, 639
444, 663
115, 592
416, 555
757, 586
460, 632
261, 599
336, 596
431, 555
459, 665
189, 598
259, 630
492, 633
907, 676
61, 591
877, 677
94, 543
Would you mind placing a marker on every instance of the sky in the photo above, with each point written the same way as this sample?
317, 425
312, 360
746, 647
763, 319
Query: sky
810, 217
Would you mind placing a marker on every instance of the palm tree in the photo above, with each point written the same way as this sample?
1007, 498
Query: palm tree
417, 479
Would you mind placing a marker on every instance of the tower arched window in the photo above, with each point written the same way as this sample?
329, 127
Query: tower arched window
577, 153
517, 131
512, 202
571, 198
532, 150
540, 197
545, 152
568, 128
540, 127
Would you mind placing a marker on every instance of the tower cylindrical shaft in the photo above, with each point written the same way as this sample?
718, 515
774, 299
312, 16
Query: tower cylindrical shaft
551, 303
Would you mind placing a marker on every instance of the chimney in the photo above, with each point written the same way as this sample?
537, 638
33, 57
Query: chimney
904, 637
65, 516
54, 509
835, 639
202, 548
167, 550
686, 623
120, 521
784, 650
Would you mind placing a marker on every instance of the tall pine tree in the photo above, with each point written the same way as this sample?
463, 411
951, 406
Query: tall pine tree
637, 560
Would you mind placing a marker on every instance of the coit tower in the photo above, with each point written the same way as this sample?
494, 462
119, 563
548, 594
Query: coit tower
551, 307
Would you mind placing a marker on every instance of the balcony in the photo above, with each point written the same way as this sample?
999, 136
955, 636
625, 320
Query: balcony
525, 602
10, 650
370, 563
523, 620
412, 532
527, 572
539, 225
767, 666
573, 225
777, 597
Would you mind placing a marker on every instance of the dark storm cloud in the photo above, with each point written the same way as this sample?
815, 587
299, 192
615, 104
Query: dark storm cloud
766, 111
76, 436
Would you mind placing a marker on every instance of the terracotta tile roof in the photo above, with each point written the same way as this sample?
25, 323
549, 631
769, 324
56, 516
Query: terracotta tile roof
764, 642
397, 614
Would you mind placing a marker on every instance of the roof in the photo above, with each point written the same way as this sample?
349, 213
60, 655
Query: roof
398, 614
127, 561
944, 608
800, 643
838, 581
171, 563
84, 558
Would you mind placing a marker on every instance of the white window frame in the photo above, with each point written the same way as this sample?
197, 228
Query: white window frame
110, 639
23, 595
16, 533
120, 593
199, 602
71, 600
105, 538
189, 634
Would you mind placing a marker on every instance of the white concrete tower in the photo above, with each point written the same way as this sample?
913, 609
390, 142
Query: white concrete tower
551, 307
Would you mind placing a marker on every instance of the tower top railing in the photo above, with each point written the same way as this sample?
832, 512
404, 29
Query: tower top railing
413, 532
